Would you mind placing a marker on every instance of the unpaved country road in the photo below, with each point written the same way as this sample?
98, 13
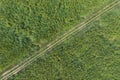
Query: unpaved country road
59, 40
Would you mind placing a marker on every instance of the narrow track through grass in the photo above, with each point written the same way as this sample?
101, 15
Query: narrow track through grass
58, 41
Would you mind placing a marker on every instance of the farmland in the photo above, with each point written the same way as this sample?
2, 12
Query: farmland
26, 26
92, 54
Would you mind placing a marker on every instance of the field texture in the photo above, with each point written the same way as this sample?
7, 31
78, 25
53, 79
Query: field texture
92, 54
28, 25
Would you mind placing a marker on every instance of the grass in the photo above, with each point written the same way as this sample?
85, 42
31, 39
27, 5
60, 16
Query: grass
93, 54
27, 25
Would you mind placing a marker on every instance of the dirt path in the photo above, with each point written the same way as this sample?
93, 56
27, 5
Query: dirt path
56, 42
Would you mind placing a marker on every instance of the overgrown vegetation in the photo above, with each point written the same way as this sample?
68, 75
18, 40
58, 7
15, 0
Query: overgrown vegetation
90, 55
25, 25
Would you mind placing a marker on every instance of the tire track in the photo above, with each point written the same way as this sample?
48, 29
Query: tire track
58, 41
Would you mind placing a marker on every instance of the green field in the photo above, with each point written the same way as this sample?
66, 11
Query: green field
92, 54
27, 25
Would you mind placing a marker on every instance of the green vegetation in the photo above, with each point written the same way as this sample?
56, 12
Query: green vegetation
92, 54
26, 24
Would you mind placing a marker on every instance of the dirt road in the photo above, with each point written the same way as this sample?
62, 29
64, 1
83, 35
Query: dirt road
56, 42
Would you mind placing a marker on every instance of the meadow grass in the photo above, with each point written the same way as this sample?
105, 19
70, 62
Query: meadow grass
27, 25
93, 54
